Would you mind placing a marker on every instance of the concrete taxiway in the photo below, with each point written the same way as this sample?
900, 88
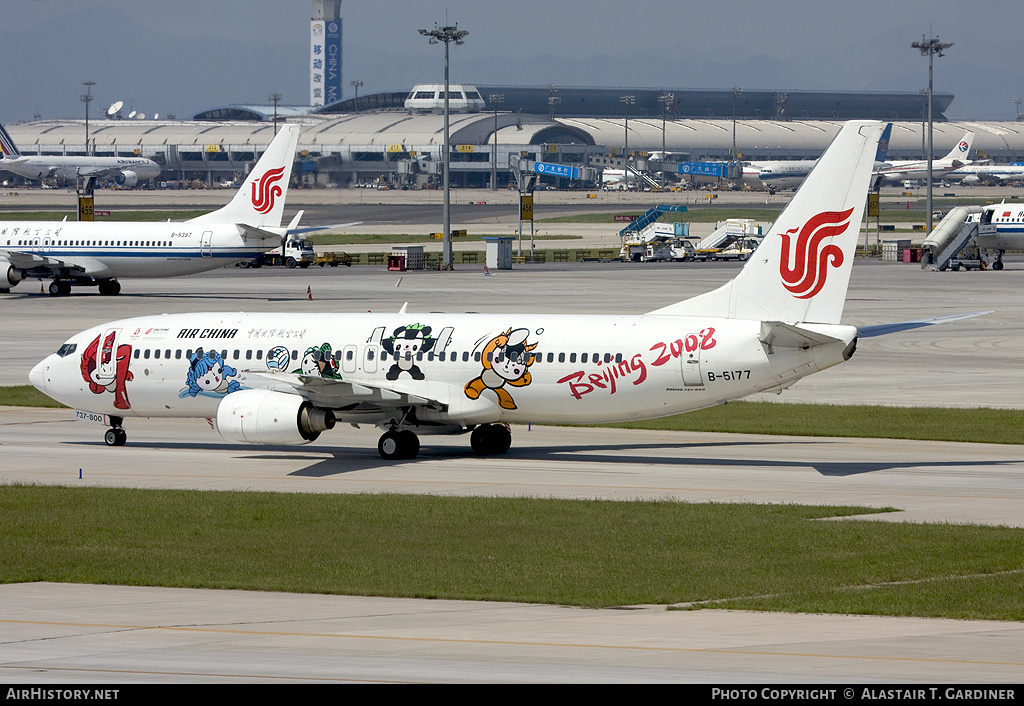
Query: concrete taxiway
59, 633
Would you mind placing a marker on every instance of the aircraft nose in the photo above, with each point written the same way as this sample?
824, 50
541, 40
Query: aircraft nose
37, 376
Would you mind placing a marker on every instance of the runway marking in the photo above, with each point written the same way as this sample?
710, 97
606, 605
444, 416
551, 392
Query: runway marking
508, 643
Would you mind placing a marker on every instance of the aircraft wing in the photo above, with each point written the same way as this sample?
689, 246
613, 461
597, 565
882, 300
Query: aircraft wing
33, 263
339, 394
883, 329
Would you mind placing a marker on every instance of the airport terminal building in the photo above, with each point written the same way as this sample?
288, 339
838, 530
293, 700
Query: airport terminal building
396, 139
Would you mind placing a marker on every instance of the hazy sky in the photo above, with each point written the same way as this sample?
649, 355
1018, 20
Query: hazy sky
558, 26
786, 44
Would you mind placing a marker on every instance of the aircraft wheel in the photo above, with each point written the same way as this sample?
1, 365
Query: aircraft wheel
997, 265
56, 288
395, 445
115, 436
490, 439
110, 287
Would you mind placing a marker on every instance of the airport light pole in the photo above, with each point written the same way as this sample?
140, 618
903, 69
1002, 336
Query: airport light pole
628, 101
666, 99
275, 99
356, 85
446, 35
87, 99
929, 48
495, 99
1016, 109
736, 91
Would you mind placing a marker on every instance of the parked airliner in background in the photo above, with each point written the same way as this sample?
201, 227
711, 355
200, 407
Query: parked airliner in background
987, 173
789, 174
94, 253
127, 171
917, 169
275, 378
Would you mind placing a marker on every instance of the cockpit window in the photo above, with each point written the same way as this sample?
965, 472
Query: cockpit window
67, 349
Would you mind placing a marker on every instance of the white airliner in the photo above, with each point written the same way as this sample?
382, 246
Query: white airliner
917, 169
127, 171
275, 378
789, 174
94, 253
1001, 228
986, 173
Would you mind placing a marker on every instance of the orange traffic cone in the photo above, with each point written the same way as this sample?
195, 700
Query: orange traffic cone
309, 293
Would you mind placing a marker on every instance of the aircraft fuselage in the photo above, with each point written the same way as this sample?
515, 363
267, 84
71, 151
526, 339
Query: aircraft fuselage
458, 370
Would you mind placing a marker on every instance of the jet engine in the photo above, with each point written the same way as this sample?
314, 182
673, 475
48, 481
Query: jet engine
127, 178
14, 276
268, 417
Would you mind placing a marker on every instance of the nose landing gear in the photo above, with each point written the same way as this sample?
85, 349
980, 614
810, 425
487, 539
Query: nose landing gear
115, 435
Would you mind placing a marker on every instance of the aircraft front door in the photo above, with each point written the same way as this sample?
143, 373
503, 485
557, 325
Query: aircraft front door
106, 356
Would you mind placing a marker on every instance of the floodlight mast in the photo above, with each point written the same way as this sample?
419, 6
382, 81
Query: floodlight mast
446, 35
929, 48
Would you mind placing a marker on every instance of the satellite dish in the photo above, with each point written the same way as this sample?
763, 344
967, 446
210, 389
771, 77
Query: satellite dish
114, 108
156, 116
131, 114
141, 116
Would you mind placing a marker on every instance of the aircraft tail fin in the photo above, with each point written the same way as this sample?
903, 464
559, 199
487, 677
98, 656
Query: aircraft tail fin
961, 149
259, 202
8, 150
801, 270
883, 144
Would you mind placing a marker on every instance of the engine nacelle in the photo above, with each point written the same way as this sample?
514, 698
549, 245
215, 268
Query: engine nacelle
14, 276
127, 178
268, 417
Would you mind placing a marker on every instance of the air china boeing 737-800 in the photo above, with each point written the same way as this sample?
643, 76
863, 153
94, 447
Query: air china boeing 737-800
93, 253
284, 378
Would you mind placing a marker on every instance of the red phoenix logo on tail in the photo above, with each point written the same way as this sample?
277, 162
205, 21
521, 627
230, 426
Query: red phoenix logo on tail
810, 261
265, 190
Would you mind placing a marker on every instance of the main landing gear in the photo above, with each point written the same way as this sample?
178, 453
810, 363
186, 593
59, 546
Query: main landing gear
486, 440
62, 287
491, 439
115, 435
398, 444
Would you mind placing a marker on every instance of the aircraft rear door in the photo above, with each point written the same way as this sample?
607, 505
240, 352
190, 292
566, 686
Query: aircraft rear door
206, 244
690, 360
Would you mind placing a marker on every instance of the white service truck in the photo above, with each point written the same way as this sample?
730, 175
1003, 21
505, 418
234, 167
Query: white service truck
294, 252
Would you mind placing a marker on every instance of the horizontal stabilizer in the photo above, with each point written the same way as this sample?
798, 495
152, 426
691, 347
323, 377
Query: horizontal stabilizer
310, 229
883, 329
779, 335
253, 233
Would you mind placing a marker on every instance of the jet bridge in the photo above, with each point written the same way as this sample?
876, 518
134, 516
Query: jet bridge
953, 234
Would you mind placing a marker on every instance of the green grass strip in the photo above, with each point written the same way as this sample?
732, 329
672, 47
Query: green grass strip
570, 552
980, 425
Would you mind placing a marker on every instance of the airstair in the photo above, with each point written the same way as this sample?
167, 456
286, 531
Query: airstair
644, 177
732, 230
950, 237
644, 221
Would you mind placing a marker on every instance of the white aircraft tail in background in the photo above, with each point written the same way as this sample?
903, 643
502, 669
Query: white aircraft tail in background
259, 202
916, 169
